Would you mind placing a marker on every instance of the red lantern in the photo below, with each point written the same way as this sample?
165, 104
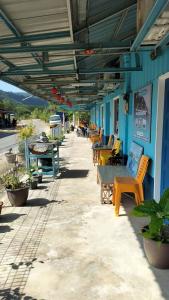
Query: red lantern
54, 91
89, 51
69, 103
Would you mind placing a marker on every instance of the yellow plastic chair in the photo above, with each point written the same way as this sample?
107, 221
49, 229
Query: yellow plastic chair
96, 153
106, 154
92, 126
130, 185
96, 138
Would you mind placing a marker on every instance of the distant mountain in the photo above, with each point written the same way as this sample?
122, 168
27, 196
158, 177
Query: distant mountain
19, 98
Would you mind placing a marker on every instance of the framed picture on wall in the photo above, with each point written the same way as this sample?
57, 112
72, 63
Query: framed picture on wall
142, 113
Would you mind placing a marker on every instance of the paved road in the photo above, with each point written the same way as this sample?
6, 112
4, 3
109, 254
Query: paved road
7, 142
11, 140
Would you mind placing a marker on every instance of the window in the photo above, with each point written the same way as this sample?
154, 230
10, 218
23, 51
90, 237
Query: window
116, 116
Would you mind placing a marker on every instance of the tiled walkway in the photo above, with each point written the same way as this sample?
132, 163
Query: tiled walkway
65, 245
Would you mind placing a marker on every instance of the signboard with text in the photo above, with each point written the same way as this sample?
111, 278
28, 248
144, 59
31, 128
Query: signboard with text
142, 113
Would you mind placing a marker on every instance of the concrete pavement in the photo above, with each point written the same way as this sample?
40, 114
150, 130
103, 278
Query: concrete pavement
65, 245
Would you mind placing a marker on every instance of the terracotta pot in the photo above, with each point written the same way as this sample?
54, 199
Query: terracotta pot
157, 254
18, 197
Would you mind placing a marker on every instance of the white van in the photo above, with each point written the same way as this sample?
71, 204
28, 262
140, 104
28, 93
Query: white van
54, 120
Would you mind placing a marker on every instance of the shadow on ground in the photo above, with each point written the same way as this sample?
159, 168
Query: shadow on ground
14, 294
5, 228
41, 202
42, 187
65, 173
160, 276
6, 218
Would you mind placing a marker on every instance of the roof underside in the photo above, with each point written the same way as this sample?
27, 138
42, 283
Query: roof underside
43, 43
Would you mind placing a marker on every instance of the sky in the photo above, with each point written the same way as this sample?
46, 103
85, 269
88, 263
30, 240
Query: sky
9, 87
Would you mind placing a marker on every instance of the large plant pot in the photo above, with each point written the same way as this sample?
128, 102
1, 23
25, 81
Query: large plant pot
18, 197
157, 254
10, 157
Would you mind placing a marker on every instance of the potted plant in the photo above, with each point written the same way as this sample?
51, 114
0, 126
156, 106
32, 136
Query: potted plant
21, 153
156, 232
25, 133
35, 173
32, 181
10, 156
17, 190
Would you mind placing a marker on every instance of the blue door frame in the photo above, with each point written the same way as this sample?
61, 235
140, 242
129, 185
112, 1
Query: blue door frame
165, 141
107, 123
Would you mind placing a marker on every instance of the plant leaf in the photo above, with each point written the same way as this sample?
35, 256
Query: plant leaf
148, 208
155, 225
164, 201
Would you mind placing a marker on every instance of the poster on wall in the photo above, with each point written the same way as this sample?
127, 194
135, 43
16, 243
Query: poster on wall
142, 113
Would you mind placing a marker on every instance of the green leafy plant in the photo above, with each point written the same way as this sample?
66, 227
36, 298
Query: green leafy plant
57, 138
26, 132
31, 178
11, 181
158, 227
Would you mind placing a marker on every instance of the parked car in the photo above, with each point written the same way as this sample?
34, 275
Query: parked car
55, 120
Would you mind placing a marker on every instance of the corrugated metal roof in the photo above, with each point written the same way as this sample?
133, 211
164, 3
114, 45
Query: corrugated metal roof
97, 21
159, 29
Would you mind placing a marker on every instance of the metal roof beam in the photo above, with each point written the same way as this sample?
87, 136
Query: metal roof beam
107, 18
9, 23
32, 81
71, 72
35, 37
156, 10
47, 65
71, 32
16, 32
66, 47
110, 70
37, 72
120, 24
7, 63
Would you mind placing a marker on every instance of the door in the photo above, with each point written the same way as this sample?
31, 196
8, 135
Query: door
116, 117
165, 141
107, 119
102, 116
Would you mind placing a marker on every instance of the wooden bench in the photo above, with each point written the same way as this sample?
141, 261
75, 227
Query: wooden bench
106, 174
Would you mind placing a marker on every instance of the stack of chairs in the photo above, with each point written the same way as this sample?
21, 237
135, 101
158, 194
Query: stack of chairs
106, 155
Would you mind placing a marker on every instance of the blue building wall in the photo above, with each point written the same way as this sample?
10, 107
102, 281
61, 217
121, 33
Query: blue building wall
98, 121
93, 115
152, 69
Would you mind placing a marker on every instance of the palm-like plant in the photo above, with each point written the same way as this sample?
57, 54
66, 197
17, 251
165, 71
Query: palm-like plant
158, 228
